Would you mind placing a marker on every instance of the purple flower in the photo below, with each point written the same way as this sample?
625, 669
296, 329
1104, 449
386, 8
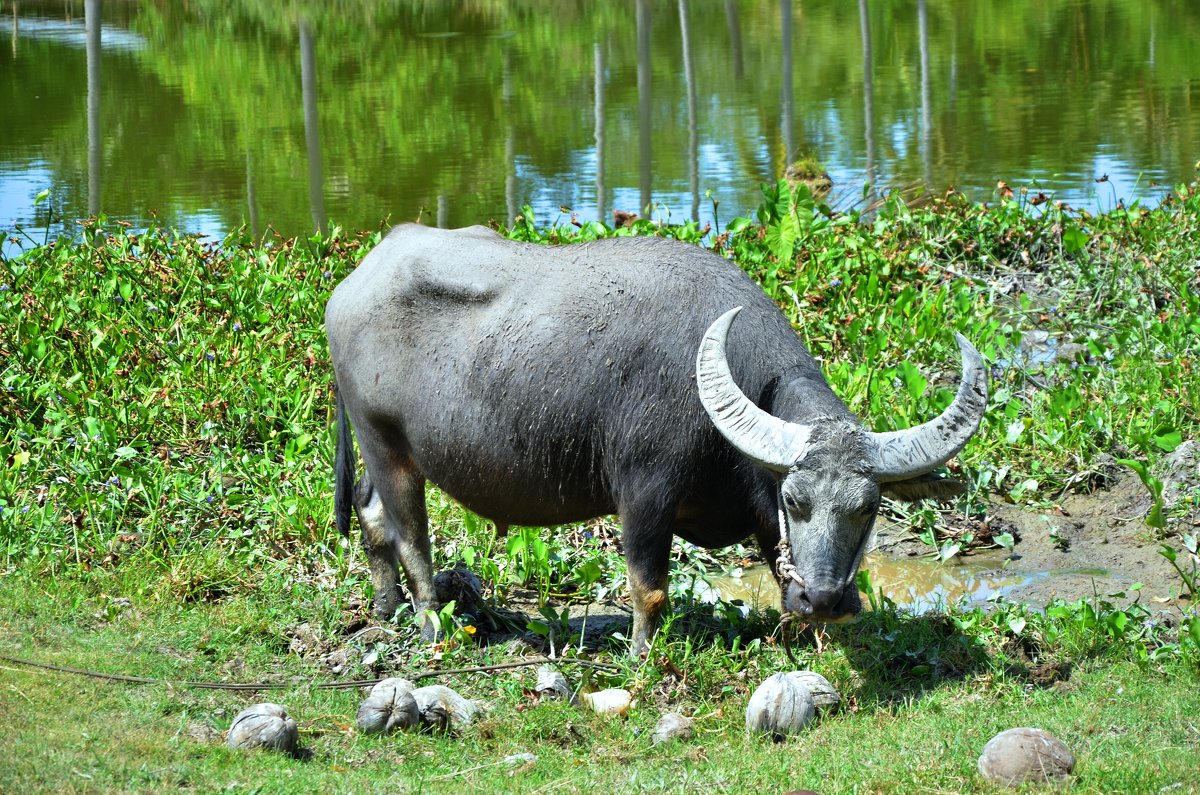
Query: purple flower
210, 356
835, 282
237, 326
209, 498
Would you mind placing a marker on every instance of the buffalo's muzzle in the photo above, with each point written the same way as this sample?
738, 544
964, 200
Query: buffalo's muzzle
822, 603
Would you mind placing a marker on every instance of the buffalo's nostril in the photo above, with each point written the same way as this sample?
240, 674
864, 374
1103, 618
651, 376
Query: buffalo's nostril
823, 600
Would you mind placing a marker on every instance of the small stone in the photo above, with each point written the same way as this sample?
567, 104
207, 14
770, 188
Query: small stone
443, 710
1025, 755
337, 661
202, 732
263, 726
551, 684
306, 641
613, 701
389, 707
824, 695
779, 707
672, 726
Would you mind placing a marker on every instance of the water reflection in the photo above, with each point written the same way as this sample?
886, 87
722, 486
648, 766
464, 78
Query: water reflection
598, 101
463, 112
312, 127
689, 79
645, 104
864, 23
92, 12
915, 584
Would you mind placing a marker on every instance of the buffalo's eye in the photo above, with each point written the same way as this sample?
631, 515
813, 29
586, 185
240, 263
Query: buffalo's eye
795, 506
868, 509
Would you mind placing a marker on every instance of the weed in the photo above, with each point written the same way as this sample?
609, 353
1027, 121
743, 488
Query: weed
1190, 575
1154, 486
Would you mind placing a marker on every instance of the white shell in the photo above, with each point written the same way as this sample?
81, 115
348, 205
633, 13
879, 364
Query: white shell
389, 707
552, 684
1021, 755
263, 726
444, 710
824, 695
672, 726
613, 701
779, 707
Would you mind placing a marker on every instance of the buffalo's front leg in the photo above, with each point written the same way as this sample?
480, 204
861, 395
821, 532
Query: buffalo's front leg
646, 535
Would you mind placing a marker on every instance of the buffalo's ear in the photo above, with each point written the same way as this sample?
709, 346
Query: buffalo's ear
931, 486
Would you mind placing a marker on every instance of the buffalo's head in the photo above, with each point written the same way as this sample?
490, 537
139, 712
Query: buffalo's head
832, 471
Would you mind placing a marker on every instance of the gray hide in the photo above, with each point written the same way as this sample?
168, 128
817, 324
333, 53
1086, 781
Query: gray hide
541, 385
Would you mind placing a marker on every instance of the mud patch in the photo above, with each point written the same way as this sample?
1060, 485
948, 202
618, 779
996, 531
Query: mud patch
1093, 544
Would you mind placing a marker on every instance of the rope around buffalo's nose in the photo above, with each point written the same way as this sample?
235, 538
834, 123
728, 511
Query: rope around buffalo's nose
785, 570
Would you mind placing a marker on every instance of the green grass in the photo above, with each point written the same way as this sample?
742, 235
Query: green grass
165, 510
922, 695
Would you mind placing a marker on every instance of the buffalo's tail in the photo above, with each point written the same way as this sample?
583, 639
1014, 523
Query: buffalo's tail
343, 466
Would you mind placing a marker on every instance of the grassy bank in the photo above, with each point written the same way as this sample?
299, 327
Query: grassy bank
166, 511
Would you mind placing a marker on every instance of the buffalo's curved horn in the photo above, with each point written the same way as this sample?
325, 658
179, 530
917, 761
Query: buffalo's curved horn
900, 455
766, 440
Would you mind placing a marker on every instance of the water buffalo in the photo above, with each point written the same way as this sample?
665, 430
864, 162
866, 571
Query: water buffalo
539, 385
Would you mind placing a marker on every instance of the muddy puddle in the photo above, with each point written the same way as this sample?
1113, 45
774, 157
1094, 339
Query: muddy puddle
914, 584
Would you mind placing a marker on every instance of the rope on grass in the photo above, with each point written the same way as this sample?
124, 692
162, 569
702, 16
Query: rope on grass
347, 685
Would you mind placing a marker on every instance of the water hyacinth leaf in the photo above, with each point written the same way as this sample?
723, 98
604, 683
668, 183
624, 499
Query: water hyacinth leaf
1074, 239
1167, 442
1005, 540
914, 381
590, 572
948, 550
1016, 624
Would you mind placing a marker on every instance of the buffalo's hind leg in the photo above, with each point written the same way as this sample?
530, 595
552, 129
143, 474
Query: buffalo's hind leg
395, 535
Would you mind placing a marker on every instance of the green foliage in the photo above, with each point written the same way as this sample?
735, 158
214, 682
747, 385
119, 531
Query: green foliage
1153, 485
162, 394
1191, 574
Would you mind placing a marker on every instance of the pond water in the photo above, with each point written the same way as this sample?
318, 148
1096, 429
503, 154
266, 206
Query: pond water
914, 584
214, 114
